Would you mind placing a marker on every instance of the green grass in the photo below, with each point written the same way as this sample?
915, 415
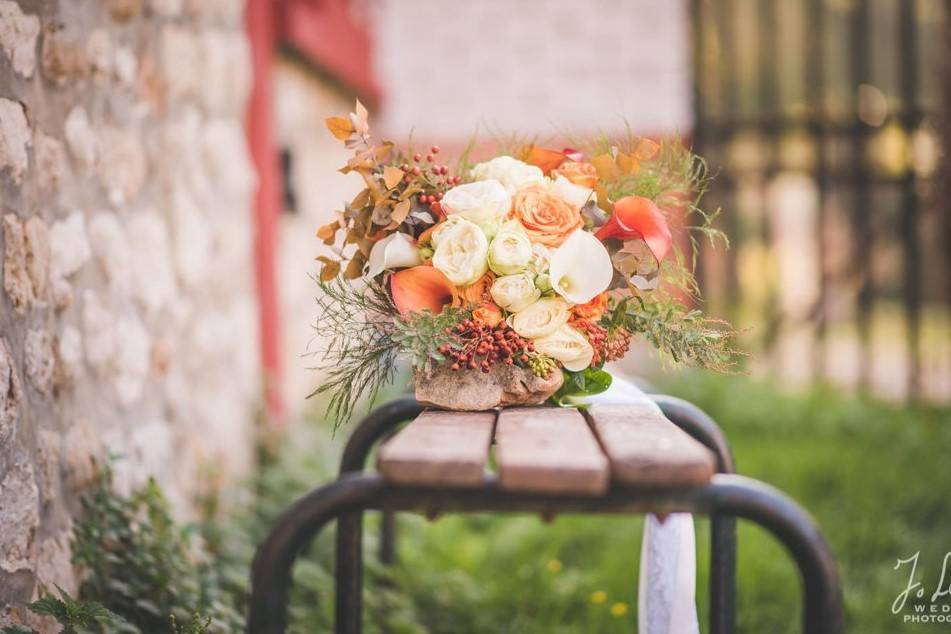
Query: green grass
873, 475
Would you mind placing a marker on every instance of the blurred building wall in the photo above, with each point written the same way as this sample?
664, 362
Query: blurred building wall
537, 67
127, 318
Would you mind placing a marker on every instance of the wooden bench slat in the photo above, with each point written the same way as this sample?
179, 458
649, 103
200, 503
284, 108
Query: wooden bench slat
645, 448
439, 449
548, 450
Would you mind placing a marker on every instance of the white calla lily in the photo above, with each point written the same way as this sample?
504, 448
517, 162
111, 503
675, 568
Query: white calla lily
395, 251
581, 268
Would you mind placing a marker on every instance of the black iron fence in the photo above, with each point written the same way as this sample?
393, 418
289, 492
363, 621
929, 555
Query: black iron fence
822, 120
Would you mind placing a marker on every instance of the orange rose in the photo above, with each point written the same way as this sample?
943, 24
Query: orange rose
477, 293
593, 310
547, 219
578, 172
489, 314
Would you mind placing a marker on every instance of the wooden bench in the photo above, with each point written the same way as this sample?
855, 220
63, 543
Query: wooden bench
606, 459
547, 450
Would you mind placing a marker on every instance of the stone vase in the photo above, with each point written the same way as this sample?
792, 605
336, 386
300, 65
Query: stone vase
474, 390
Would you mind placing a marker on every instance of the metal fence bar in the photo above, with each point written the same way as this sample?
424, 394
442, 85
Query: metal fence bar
861, 200
910, 204
816, 106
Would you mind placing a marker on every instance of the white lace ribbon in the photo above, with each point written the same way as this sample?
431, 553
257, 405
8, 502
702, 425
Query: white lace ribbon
666, 596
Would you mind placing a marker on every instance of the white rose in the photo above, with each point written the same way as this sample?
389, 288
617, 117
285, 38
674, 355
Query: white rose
541, 258
512, 173
395, 251
461, 251
568, 346
581, 268
541, 318
514, 292
483, 202
511, 250
574, 194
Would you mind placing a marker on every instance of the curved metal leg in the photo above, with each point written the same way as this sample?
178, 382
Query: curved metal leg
271, 569
380, 423
704, 429
726, 494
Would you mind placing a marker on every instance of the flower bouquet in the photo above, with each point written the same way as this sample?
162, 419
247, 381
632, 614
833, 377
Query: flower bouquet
513, 280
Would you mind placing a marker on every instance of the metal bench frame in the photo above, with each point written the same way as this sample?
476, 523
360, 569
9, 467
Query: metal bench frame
728, 496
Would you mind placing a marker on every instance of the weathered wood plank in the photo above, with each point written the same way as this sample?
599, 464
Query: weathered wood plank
439, 449
548, 450
645, 448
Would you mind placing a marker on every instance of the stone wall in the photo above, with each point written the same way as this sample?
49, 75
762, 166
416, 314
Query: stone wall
127, 317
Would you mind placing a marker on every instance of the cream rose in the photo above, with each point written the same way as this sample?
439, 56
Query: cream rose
511, 250
515, 292
568, 346
461, 251
512, 173
485, 203
541, 318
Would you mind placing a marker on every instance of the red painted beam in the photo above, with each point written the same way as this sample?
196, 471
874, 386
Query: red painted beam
325, 32
262, 25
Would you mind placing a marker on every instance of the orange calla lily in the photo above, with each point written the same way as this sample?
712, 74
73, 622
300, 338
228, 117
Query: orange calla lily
421, 288
639, 217
547, 160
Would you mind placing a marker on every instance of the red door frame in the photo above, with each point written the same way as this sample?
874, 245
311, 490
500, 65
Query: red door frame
324, 33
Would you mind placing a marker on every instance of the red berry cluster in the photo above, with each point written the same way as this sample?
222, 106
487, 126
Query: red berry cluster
479, 346
433, 178
619, 342
597, 336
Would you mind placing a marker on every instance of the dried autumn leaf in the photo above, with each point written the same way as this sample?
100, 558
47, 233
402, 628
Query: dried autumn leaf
627, 163
646, 149
606, 166
360, 200
339, 127
328, 232
383, 151
392, 176
330, 268
400, 211
382, 213
355, 267
410, 191
359, 119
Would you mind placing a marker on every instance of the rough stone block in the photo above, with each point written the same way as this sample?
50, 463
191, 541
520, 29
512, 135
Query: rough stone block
10, 395
16, 278
37, 242
18, 33
14, 138
20, 501
80, 137
38, 359
69, 246
62, 58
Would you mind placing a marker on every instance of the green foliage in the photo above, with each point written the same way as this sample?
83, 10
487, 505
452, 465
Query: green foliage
358, 354
363, 335
420, 335
76, 617
684, 336
578, 385
195, 625
140, 564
